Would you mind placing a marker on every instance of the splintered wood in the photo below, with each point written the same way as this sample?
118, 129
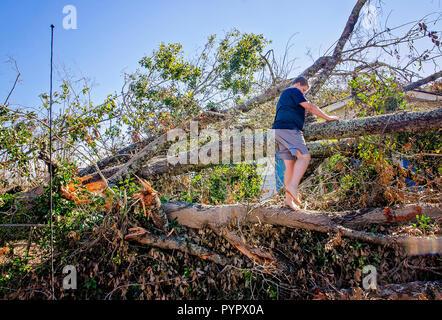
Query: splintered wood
148, 197
149, 200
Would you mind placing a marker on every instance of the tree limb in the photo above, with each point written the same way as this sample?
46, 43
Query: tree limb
142, 236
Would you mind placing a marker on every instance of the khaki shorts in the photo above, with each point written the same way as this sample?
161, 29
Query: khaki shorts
287, 141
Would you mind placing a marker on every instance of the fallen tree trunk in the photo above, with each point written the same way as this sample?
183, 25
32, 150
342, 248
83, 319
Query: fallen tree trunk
162, 166
384, 124
198, 216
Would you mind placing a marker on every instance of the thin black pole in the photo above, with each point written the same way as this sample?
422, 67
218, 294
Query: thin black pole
50, 168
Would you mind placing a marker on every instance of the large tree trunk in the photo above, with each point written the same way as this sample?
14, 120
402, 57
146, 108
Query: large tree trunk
389, 123
161, 166
199, 216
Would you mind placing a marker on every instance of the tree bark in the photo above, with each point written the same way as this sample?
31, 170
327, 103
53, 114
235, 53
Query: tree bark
198, 216
142, 236
387, 215
158, 166
383, 124
423, 81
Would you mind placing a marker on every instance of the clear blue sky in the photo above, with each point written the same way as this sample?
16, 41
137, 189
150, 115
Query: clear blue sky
113, 35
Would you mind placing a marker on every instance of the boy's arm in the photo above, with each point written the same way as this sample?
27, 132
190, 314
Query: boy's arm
316, 111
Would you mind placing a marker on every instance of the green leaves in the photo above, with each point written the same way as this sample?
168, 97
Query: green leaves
17, 144
179, 86
239, 58
77, 123
169, 62
423, 223
225, 184
377, 95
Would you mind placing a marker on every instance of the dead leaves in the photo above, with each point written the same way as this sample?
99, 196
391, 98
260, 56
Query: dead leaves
335, 241
4, 251
319, 295
81, 194
4, 255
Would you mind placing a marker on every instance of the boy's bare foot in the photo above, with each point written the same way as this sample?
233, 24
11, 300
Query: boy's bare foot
291, 204
292, 194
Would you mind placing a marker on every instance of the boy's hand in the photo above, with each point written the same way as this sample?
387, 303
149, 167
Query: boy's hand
332, 118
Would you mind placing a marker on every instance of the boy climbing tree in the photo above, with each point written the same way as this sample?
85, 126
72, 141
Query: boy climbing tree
291, 147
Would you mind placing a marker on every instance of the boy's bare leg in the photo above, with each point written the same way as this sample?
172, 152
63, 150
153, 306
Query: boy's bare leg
299, 169
288, 176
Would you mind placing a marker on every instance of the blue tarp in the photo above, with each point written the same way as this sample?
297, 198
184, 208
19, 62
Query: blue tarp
279, 176
409, 165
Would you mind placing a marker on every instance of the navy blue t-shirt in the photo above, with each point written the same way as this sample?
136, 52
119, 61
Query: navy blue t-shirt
290, 115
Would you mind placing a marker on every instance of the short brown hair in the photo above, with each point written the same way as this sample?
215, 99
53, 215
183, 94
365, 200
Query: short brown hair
303, 81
